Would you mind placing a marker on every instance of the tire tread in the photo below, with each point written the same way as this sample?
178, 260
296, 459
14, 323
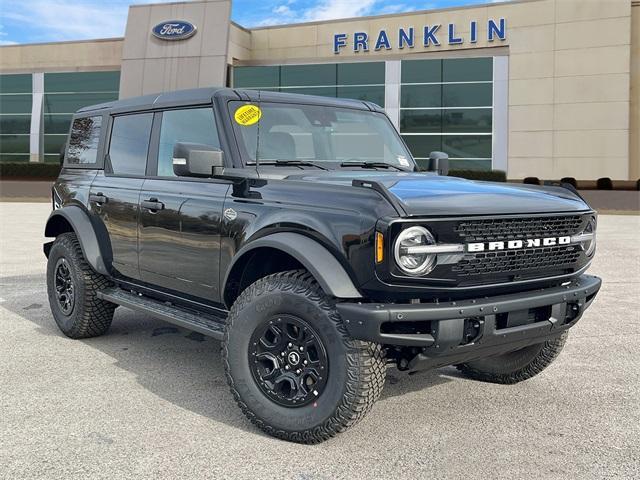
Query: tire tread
97, 314
366, 362
549, 351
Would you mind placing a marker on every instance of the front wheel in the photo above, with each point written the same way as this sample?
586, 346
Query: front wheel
292, 367
73, 286
514, 367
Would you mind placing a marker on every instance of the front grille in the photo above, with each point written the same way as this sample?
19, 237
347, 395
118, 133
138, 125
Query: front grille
518, 228
543, 258
533, 261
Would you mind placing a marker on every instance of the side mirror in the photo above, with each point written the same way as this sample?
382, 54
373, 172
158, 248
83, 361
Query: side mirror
439, 162
196, 160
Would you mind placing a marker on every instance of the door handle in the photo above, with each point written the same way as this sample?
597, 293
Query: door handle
152, 204
99, 198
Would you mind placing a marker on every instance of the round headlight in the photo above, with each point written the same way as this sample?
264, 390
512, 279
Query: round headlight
407, 252
589, 246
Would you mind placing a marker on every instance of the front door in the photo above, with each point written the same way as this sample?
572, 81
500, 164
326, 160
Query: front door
114, 194
181, 218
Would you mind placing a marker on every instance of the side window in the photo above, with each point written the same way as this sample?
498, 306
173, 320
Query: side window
84, 140
194, 125
130, 143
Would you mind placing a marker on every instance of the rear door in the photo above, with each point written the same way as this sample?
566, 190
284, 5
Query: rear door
114, 194
181, 218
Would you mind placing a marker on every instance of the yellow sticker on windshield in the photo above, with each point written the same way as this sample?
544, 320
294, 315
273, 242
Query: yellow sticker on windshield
247, 115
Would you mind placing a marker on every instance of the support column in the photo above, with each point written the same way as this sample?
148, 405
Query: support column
36, 137
500, 113
392, 91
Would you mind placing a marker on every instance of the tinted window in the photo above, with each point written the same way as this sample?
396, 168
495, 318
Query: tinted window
467, 69
447, 105
12, 83
130, 144
361, 80
82, 82
195, 125
422, 71
363, 73
84, 139
256, 77
307, 75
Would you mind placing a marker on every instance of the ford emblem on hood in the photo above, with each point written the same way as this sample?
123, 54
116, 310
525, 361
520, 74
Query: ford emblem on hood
174, 30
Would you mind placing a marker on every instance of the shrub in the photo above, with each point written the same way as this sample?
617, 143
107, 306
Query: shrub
604, 184
487, 175
29, 170
531, 181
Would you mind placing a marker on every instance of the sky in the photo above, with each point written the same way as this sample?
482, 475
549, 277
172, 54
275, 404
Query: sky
33, 21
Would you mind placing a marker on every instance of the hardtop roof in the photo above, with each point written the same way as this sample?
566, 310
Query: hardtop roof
201, 96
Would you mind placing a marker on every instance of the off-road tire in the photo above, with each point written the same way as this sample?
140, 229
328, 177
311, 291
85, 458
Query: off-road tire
90, 316
357, 369
514, 367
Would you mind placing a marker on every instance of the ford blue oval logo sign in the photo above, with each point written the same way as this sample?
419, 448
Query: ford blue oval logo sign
174, 30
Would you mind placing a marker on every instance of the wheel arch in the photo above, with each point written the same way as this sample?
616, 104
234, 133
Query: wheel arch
288, 251
74, 219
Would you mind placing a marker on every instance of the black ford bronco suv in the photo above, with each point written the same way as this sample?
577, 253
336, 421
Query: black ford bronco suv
298, 231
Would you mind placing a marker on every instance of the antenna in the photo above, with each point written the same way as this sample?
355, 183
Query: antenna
258, 137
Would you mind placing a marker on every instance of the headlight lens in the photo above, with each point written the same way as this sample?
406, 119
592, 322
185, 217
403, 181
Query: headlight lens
589, 246
411, 262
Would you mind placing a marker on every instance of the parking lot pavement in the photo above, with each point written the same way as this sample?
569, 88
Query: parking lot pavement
150, 400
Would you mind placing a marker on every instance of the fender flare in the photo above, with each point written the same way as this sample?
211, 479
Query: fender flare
85, 232
319, 261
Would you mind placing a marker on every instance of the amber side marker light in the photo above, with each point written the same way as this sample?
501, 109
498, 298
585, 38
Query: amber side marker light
379, 247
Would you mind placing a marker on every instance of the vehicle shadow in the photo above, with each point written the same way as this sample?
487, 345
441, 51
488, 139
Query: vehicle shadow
178, 365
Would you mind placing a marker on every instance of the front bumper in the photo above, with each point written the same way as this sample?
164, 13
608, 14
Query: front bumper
453, 332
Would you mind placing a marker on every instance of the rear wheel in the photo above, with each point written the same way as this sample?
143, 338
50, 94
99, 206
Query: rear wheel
514, 367
291, 365
72, 287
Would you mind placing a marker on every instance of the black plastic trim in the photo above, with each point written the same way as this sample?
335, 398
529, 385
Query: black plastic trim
384, 192
364, 321
83, 229
321, 263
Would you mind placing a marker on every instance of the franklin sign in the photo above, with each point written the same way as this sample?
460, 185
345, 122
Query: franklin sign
427, 36
174, 30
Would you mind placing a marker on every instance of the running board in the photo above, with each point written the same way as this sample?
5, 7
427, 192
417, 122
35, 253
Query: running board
202, 323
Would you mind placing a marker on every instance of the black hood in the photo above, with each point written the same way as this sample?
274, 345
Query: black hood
428, 194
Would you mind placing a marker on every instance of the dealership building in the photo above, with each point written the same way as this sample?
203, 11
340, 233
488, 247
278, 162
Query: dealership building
546, 88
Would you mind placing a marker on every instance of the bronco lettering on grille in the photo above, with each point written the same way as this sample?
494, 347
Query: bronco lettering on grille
518, 244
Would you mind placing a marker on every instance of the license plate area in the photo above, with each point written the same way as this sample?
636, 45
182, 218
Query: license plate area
518, 318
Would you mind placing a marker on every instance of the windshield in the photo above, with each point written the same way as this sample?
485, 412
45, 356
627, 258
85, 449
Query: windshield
284, 132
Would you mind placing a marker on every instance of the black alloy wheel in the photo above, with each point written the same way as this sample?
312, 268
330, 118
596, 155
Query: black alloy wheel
288, 361
64, 286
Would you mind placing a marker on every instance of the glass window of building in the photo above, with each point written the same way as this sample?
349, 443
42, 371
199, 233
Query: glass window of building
84, 140
447, 105
64, 94
129, 144
360, 81
15, 117
195, 125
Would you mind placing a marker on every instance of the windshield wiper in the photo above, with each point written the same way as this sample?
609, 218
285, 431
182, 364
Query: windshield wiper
294, 163
371, 165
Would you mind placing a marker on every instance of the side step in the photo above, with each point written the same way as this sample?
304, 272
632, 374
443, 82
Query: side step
202, 323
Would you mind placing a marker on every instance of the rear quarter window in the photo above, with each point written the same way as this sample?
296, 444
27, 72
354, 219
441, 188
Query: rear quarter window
84, 140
